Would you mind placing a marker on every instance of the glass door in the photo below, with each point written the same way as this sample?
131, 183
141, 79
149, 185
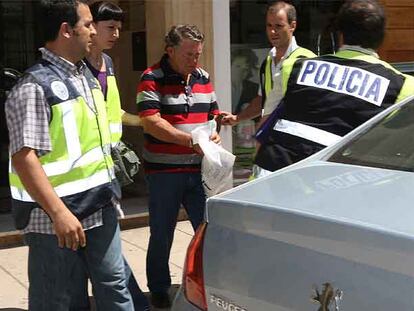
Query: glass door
17, 52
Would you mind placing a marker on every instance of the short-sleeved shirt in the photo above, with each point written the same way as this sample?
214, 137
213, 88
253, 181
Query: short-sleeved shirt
28, 116
164, 91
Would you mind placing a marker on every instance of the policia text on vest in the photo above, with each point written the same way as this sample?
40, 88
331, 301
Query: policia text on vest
344, 79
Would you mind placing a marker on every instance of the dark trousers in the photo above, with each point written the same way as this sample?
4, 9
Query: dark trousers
167, 192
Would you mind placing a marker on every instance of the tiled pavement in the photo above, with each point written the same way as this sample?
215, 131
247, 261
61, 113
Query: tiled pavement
13, 264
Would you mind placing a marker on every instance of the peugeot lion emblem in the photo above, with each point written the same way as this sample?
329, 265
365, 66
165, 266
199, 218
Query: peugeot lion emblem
327, 298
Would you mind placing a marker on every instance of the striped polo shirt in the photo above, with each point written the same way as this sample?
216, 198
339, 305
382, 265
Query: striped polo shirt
162, 90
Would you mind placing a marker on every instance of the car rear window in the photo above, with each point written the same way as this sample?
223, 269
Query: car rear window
388, 144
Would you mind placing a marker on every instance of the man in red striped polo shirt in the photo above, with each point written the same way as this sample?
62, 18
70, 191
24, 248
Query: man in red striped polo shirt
174, 97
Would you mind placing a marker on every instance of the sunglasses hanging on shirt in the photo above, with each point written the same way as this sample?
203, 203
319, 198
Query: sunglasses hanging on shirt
189, 95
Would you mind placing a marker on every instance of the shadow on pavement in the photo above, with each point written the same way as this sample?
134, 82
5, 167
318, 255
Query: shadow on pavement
173, 290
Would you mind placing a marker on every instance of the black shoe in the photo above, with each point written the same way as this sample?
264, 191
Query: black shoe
160, 300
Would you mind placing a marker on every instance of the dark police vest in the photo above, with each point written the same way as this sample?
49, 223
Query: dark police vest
80, 166
326, 98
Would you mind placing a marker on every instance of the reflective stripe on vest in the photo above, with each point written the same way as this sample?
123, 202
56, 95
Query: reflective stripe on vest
100, 178
115, 128
113, 102
268, 79
307, 132
64, 166
80, 157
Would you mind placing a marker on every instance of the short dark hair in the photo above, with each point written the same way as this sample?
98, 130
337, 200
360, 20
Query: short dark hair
105, 11
362, 22
180, 32
283, 5
55, 12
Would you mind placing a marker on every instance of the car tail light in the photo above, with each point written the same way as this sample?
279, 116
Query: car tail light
193, 279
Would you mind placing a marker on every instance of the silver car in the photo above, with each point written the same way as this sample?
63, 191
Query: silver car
332, 232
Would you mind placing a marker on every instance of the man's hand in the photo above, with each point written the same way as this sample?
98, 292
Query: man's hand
229, 118
68, 230
198, 149
215, 138
253, 110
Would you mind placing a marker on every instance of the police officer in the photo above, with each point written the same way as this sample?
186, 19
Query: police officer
61, 176
108, 19
280, 26
329, 96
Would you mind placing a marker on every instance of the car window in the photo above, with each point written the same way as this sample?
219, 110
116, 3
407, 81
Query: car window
387, 144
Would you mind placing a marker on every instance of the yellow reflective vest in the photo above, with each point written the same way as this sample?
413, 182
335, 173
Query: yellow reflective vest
80, 166
113, 103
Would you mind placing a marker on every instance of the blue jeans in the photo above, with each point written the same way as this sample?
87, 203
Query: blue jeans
139, 299
80, 298
167, 191
54, 274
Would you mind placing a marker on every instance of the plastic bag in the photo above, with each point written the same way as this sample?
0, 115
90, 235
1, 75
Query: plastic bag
217, 163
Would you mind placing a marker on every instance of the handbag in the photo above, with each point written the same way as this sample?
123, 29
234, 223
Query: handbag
126, 163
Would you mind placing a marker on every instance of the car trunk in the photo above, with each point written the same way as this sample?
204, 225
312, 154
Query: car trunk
270, 243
